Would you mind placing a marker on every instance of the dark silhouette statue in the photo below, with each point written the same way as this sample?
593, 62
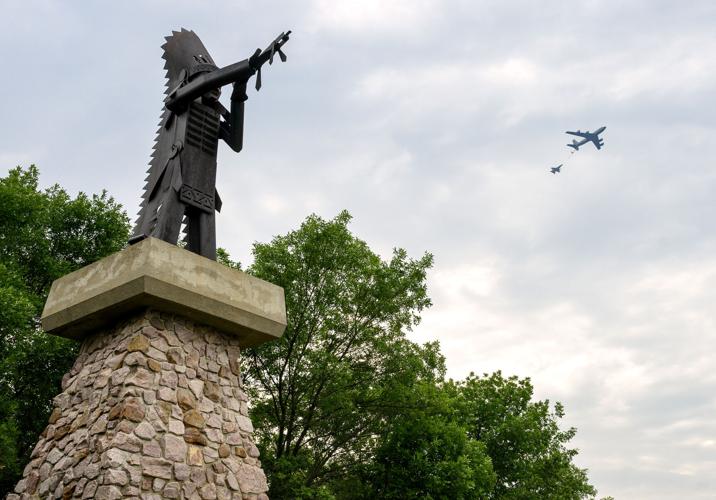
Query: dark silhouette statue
181, 185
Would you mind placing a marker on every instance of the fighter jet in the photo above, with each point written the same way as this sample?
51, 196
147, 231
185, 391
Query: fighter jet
592, 137
557, 169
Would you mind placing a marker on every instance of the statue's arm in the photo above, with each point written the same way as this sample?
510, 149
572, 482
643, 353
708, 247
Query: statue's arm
232, 127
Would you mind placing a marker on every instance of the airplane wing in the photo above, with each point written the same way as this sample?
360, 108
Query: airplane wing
598, 144
578, 133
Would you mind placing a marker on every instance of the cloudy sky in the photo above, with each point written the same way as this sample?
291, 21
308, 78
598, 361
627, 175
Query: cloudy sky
434, 122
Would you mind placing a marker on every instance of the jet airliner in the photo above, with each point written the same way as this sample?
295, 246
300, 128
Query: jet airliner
592, 137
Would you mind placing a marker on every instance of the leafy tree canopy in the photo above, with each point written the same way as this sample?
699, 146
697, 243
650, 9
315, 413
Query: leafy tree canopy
44, 234
344, 404
347, 407
321, 393
426, 453
527, 448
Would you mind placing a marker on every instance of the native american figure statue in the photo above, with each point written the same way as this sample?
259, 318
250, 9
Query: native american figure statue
181, 178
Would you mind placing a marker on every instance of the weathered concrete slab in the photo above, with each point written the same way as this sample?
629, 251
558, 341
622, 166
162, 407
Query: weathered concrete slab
155, 274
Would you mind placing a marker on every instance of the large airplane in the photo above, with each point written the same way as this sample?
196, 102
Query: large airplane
592, 137
556, 170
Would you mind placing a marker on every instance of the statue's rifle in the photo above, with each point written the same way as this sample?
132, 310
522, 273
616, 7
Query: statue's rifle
238, 73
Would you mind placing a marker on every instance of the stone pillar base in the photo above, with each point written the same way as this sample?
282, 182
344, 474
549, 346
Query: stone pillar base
153, 408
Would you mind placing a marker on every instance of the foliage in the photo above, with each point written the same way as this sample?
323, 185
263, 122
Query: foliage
322, 392
222, 257
425, 453
523, 439
345, 405
44, 234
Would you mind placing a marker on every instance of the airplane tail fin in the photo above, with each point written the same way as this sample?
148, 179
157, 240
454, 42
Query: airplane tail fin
574, 145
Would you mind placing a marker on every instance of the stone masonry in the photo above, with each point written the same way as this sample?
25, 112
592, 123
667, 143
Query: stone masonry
151, 409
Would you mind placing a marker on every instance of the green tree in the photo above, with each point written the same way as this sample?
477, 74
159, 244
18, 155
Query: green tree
528, 450
44, 234
345, 406
322, 392
426, 453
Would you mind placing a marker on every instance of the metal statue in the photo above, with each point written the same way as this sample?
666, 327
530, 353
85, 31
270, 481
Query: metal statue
181, 186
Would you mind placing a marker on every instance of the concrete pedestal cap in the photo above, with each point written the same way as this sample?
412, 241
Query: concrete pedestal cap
155, 274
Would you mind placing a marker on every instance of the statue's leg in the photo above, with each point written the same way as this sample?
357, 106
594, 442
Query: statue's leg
169, 218
201, 233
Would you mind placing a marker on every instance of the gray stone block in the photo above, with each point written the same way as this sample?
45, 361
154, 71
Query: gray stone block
154, 274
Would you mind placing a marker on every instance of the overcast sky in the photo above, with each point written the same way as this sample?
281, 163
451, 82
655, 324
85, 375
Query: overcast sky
435, 124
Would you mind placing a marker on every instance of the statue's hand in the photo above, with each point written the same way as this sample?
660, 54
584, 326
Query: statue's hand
239, 92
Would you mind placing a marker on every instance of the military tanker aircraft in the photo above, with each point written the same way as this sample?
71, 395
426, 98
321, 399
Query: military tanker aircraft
592, 137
